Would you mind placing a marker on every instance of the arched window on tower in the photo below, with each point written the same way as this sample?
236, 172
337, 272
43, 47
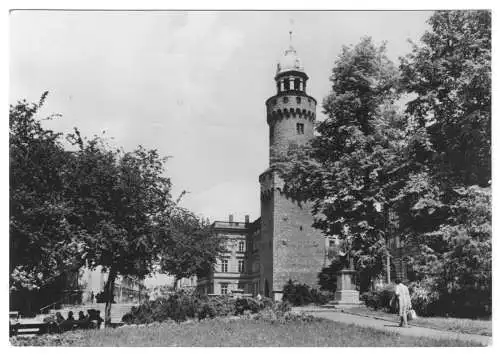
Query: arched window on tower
292, 84
287, 85
282, 85
300, 128
297, 84
301, 85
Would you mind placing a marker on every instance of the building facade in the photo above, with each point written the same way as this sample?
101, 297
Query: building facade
232, 271
262, 256
90, 282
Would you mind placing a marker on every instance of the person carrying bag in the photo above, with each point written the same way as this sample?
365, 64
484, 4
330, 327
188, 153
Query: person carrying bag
404, 302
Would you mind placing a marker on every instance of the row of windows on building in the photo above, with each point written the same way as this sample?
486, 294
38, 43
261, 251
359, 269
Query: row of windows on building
224, 287
286, 100
225, 264
291, 83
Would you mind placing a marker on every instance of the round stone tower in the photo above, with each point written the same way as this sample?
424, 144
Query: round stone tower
289, 248
291, 112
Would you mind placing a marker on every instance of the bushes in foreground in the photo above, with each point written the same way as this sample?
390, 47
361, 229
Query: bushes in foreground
426, 300
181, 306
178, 307
380, 298
301, 294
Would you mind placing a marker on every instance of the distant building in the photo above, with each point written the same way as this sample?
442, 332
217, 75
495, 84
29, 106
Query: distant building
91, 282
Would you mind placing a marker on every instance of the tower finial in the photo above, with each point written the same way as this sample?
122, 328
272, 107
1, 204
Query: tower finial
290, 32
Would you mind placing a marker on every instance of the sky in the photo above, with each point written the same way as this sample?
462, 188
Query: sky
190, 84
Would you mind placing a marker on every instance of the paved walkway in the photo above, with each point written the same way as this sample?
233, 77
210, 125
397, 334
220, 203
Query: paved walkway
384, 325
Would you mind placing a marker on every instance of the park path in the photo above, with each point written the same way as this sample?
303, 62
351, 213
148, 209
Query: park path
391, 326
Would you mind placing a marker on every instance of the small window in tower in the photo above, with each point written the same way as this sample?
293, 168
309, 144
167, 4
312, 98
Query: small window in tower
287, 85
300, 128
285, 99
297, 84
298, 100
274, 102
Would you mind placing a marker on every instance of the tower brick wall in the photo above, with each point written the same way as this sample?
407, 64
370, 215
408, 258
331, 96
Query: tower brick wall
284, 112
291, 248
267, 233
299, 250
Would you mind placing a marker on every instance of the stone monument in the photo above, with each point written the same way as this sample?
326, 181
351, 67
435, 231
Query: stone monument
346, 294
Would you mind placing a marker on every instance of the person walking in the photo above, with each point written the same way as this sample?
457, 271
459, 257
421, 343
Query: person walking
404, 302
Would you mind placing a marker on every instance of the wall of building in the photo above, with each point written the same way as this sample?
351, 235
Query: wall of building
299, 250
267, 233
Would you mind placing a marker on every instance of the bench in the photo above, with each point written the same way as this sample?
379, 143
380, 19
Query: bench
30, 328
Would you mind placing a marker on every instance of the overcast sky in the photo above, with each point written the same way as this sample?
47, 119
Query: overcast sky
190, 84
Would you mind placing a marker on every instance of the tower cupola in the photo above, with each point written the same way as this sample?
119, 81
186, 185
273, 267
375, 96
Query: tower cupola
290, 74
289, 62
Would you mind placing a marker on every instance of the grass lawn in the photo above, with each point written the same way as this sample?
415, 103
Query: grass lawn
236, 333
473, 326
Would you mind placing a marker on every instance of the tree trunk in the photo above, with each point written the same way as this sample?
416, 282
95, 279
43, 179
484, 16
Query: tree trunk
108, 293
176, 280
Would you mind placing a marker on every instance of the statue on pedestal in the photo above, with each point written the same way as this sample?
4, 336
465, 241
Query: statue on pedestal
346, 293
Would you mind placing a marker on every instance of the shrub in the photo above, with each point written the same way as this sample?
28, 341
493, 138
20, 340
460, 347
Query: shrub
178, 307
297, 294
247, 304
217, 306
181, 306
321, 297
424, 299
380, 298
301, 294
267, 302
281, 313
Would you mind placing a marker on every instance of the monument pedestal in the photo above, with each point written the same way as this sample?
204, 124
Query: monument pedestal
346, 294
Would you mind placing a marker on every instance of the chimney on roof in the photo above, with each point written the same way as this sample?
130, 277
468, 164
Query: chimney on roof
231, 218
247, 219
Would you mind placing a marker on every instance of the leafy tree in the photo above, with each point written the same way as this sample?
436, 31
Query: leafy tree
189, 245
455, 259
96, 206
43, 242
354, 165
443, 209
120, 200
450, 75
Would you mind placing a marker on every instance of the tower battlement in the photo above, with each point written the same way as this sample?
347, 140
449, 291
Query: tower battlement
291, 105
